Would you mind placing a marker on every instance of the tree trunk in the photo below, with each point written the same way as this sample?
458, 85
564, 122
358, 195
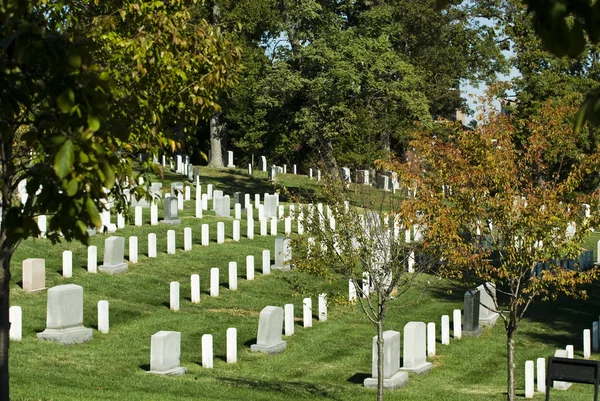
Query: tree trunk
380, 360
510, 363
4, 325
216, 142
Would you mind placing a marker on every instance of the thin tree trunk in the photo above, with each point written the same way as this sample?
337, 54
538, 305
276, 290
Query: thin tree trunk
4, 327
216, 142
380, 360
510, 363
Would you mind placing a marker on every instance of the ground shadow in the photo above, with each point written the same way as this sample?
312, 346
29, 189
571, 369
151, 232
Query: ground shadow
292, 389
166, 304
358, 378
145, 367
250, 342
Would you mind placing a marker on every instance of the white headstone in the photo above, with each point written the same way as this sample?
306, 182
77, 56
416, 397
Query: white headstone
120, 221
351, 291
237, 211
195, 284
231, 345
214, 282
430, 339
103, 320
188, 193
263, 227
322, 307
274, 226
133, 249
114, 253
529, 379
180, 201
171, 242
220, 232
307, 312
15, 317
34, 274
64, 317
42, 225
236, 230
233, 276
67, 268
487, 306
541, 374
392, 376
174, 296
457, 323
587, 346
289, 320
205, 236
445, 329
250, 267
187, 239
209, 191
153, 214
204, 201
415, 348
152, 245
165, 348
283, 253
138, 216
266, 261
92, 261
270, 325
250, 229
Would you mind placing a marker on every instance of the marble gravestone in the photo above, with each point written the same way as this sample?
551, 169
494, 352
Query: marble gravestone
393, 377
270, 325
165, 348
64, 316
486, 316
34, 275
415, 348
471, 325
170, 213
283, 254
114, 254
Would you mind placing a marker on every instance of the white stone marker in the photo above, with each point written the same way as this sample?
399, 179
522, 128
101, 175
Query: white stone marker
233, 276
42, 225
457, 323
231, 345
288, 226
283, 254
138, 216
250, 229
445, 329
15, 317
165, 348
322, 307
198, 208
393, 377
120, 220
209, 191
263, 227
280, 212
187, 239
205, 236
188, 193
133, 249
266, 261
114, 251
260, 209
237, 211
256, 200
270, 324
214, 282
180, 201
92, 261
204, 202
529, 379
430, 339
171, 242
103, 321
486, 302
351, 291
289, 319
174, 296
274, 226
34, 274
570, 351
220, 232
250, 267
67, 264
152, 245
541, 374
153, 214
300, 222
236, 230
195, 278
307, 312
64, 316
415, 344
587, 348
249, 212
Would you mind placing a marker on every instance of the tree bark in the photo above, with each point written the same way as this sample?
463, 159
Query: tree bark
4, 326
510, 363
216, 142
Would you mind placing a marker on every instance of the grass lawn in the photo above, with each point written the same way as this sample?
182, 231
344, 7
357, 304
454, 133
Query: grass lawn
326, 362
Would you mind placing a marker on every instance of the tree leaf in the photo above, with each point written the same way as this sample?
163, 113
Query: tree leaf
63, 161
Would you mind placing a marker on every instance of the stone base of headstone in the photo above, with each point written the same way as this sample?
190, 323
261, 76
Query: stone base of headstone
275, 348
424, 368
176, 221
72, 335
490, 322
396, 381
178, 371
282, 268
473, 333
120, 268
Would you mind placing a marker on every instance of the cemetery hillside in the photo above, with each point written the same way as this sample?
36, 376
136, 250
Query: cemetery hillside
296, 200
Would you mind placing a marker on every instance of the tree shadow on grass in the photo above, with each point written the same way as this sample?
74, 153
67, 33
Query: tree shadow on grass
291, 389
358, 378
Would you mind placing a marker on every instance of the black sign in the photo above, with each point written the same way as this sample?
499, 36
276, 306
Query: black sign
574, 371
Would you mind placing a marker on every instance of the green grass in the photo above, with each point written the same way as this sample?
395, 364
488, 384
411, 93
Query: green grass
325, 362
